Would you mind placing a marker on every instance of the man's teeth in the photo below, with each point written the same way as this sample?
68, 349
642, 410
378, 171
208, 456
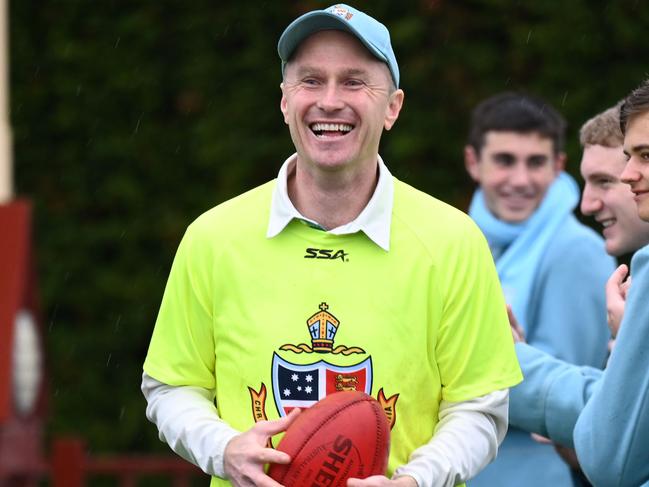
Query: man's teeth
607, 223
331, 127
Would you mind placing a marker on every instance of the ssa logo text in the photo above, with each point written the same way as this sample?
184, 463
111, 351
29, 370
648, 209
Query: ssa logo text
328, 254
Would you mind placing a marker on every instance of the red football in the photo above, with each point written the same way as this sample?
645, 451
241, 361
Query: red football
344, 435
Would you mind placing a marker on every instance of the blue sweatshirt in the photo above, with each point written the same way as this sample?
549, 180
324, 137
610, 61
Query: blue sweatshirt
610, 408
552, 396
612, 433
567, 320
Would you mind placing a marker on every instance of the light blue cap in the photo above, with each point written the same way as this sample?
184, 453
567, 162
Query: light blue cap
372, 33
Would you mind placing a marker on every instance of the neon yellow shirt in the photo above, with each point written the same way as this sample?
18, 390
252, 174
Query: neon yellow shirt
277, 323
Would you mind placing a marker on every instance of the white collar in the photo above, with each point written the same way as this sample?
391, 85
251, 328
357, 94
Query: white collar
374, 220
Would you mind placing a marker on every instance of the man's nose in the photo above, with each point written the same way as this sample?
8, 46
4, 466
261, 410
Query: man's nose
330, 99
520, 175
631, 174
590, 202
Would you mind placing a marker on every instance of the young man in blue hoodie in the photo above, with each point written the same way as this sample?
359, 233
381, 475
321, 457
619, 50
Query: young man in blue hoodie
604, 415
612, 432
552, 268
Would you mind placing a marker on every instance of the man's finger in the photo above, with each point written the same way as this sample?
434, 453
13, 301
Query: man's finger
617, 278
271, 428
269, 455
517, 330
626, 285
541, 439
373, 480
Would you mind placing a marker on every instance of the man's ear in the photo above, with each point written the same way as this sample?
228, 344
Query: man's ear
394, 107
560, 162
282, 104
472, 163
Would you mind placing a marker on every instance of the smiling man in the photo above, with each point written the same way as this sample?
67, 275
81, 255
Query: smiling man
612, 433
552, 268
336, 275
605, 197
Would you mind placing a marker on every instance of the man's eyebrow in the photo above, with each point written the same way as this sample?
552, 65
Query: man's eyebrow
355, 72
303, 70
601, 175
635, 149
315, 70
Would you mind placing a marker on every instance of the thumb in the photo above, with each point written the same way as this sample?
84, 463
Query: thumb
615, 281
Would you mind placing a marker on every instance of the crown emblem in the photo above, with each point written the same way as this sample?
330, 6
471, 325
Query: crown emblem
323, 327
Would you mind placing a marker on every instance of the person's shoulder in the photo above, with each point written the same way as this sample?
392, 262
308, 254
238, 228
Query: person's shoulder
413, 205
642, 253
429, 218
576, 245
640, 259
573, 231
573, 237
245, 211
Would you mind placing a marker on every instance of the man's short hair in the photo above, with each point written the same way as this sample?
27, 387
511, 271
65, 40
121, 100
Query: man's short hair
603, 129
636, 103
516, 112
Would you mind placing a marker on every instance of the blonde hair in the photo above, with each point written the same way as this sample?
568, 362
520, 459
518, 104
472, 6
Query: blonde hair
603, 129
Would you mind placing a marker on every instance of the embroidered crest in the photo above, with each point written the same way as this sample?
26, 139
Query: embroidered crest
302, 385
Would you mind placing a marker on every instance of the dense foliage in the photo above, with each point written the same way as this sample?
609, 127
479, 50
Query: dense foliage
131, 118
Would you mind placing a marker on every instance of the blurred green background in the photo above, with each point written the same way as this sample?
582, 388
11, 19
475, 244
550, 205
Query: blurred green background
132, 118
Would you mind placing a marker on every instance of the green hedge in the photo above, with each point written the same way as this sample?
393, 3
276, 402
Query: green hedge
131, 118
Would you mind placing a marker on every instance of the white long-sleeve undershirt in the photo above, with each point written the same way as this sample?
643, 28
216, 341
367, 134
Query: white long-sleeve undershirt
466, 438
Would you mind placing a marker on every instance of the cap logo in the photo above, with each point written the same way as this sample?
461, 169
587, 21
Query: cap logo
341, 12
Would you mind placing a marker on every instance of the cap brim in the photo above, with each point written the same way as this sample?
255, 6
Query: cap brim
313, 22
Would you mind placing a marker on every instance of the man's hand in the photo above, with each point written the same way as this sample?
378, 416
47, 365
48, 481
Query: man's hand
541, 439
381, 481
611, 345
246, 454
517, 330
567, 454
616, 291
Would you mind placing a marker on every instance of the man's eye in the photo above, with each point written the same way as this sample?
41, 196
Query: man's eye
537, 162
354, 83
504, 160
644, 156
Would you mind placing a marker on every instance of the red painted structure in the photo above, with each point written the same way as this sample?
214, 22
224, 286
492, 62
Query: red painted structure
72, 467
22, 459
16, 288
20, 433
